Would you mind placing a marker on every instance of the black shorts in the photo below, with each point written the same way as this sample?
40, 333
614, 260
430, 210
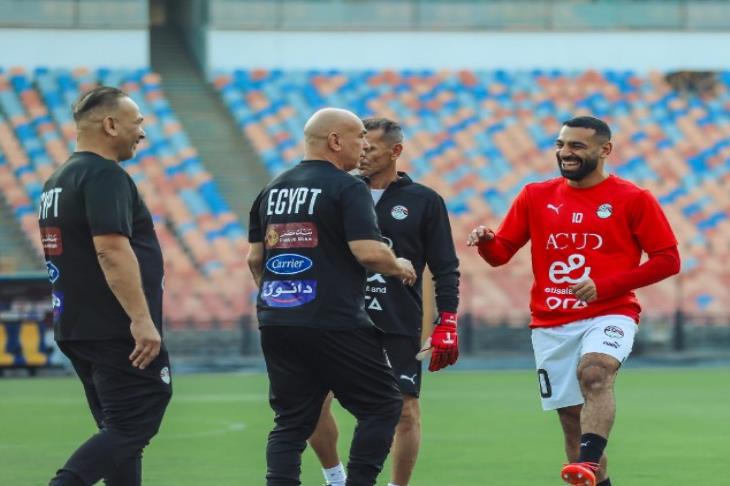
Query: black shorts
119, 395
401, 351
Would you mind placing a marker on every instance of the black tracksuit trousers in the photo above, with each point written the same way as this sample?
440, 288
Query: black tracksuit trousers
304, 364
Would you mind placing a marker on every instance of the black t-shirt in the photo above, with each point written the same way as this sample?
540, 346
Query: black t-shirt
85, 197
305, 217
415, 224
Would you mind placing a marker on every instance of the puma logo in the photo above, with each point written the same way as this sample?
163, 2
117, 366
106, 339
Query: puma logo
412, 379
555, 208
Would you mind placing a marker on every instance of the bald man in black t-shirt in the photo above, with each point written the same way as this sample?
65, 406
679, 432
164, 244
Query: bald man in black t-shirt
106, 269
313, 234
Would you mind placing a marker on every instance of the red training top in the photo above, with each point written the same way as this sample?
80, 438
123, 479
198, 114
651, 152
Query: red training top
597, 232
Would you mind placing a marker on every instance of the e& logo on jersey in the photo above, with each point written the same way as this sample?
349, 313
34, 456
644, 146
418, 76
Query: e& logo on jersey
559, 272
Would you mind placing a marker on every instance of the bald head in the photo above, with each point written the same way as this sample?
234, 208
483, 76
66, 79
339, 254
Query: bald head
335, 135
326, 121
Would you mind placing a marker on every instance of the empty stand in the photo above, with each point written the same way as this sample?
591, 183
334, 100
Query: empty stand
204, 244
479, 137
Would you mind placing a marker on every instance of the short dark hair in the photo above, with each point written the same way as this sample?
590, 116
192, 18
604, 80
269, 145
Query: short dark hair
392, 131
599, 126
103, 96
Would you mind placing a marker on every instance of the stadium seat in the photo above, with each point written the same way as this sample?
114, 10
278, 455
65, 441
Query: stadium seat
478, 136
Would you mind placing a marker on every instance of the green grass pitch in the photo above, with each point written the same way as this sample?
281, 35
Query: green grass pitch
479, 428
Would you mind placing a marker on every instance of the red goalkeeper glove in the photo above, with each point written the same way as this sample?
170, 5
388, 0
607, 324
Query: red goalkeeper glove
444, 342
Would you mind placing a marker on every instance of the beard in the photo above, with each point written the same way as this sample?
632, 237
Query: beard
585, 167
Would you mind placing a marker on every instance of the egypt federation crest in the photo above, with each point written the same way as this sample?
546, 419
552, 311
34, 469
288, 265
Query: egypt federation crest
604, 211
399, 212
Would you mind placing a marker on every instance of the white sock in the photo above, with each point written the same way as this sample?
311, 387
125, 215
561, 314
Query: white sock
335, 476
391, 484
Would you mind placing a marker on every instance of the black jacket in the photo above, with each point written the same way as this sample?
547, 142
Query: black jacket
415, 223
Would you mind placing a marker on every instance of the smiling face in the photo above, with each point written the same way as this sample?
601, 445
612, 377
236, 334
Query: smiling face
128, 131
580, 152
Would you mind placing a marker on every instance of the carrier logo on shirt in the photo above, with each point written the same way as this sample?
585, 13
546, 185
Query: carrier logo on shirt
288, 293
53, 272
291, 235
52, 241
289, 264
399, 212
604, 211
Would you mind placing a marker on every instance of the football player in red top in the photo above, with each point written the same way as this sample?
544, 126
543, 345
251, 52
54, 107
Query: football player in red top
588, 230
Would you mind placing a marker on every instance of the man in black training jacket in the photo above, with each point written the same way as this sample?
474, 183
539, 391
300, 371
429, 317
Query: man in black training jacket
313, 233
415, 224
106, 271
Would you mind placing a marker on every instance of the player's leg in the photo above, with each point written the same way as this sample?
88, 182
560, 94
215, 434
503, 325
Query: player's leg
296, 395
324, 443
66, 476
407, 442
596, 375
401, 351
557, 353
360, 377
133, 403
128, 473
605, 346
570, 423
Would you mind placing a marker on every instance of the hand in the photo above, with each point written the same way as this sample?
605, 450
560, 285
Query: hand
407, 273
444, 342
585, 290
480, 234
147, 342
